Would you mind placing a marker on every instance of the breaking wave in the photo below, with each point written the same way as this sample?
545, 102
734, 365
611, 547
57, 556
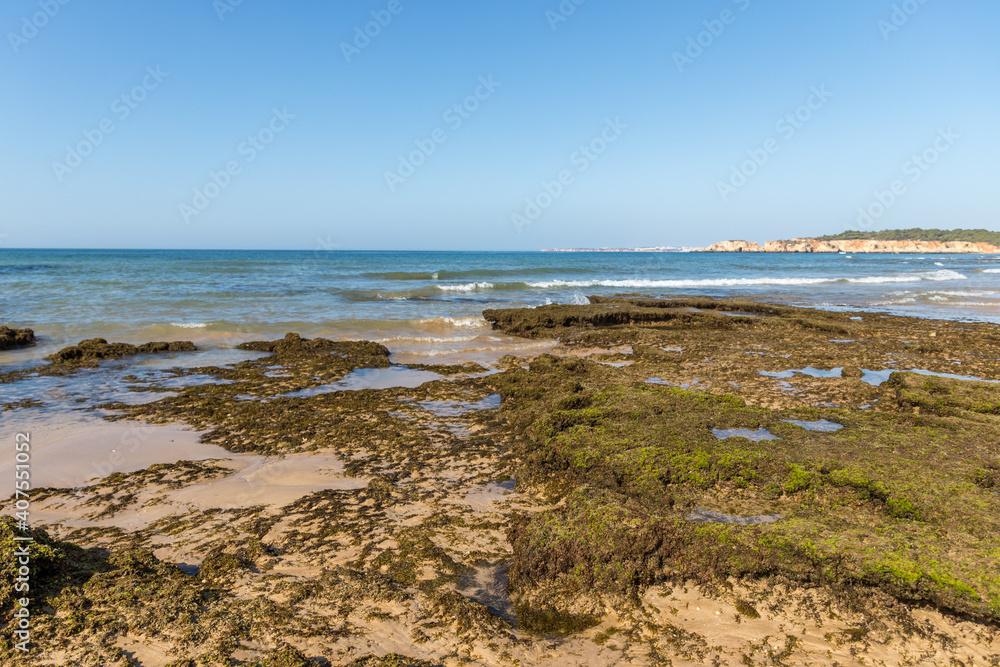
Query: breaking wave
936, 276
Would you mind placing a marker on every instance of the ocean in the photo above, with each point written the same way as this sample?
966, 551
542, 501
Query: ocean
428, 305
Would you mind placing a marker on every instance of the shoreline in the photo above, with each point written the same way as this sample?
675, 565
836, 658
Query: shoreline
393, 514
809, 246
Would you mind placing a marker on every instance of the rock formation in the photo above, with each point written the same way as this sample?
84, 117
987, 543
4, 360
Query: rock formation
735, 246
11, 338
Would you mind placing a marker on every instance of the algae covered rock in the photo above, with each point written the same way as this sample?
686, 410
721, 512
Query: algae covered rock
293, 345
873, 506
287, 656
561, 319
391, 660
851, 372
89, 352
11, 338
46, 559
229, 560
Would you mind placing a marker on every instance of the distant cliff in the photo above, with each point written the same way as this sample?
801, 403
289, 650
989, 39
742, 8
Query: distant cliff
734, 246
858, 246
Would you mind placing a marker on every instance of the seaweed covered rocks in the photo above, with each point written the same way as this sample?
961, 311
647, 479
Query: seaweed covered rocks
12, 338
91, 352
324, 358
254, 405
730, 446
714, 482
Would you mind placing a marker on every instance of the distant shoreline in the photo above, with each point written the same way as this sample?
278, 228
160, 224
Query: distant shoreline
651, 249
820, 246
857, 246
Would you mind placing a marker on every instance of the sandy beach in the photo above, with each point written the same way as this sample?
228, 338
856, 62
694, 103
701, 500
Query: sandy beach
669, 482
440, 334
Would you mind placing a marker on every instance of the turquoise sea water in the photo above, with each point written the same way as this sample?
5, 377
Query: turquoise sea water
428, 302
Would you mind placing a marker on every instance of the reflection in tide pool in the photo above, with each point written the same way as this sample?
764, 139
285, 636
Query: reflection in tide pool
698, 515
372, 378
759, 435
878, 378
808, 370
822, 425
458, 408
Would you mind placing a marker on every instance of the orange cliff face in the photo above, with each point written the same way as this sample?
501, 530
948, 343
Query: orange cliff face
735, 246
859, 246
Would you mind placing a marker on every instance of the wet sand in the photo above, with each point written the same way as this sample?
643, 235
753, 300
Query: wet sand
73, 453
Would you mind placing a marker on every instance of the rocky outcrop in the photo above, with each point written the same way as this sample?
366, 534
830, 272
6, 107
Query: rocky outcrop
96, 349
859, 246
11, 338
801, 245
920, 247
735, 246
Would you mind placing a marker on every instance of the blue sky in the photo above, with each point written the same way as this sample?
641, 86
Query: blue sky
323, 143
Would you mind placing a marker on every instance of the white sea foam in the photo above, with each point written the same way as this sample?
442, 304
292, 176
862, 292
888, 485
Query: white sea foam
936, 276
969, 292
991, 270
189, 325
473, 322
946, 274
877, 280
426, 339
467, 287
457, 322
721, 282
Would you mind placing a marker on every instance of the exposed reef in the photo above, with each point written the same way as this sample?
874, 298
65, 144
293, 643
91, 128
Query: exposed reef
888, 503
12, 338
89, 352
591, 515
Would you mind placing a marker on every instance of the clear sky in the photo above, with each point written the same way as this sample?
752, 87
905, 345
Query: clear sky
115, 115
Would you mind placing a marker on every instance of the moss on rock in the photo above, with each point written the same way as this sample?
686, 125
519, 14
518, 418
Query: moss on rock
11, 338
90, 352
